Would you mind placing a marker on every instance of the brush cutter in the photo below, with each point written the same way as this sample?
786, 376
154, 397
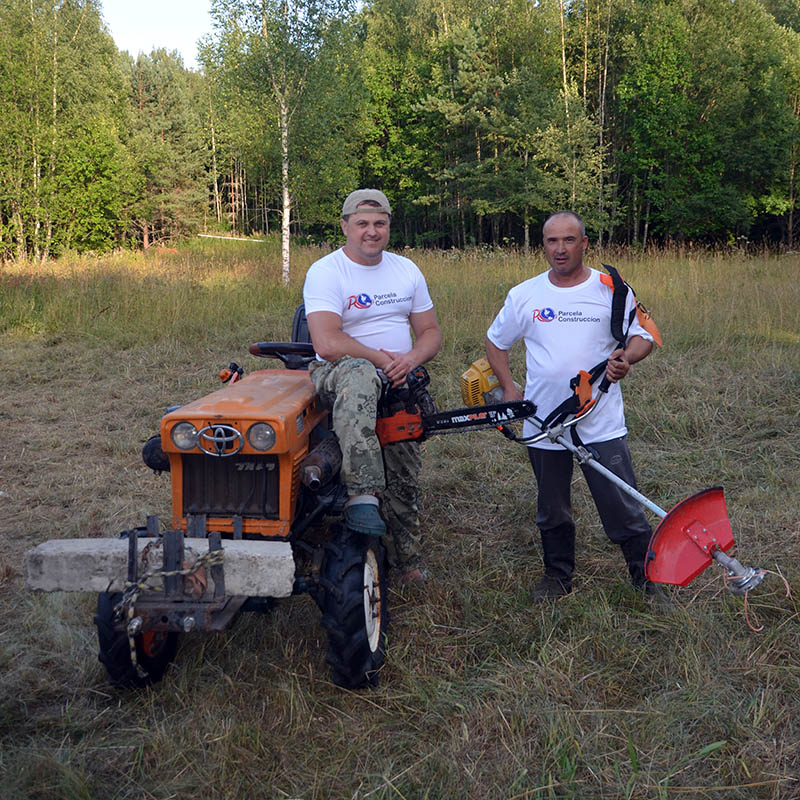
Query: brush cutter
692, 535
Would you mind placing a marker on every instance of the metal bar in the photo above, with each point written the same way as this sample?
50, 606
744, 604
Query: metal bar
237, 526
217, 570
196, 526
213, 616
627, 488
133, 557
152, 525
173, 560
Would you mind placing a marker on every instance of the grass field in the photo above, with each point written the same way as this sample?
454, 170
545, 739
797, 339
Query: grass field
483, 696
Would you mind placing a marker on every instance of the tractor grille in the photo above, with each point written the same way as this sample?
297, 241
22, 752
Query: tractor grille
224, 487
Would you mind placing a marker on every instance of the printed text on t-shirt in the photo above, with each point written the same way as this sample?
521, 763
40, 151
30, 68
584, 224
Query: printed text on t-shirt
365, 301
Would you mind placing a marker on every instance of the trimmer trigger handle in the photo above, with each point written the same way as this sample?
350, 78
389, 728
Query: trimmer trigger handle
605, 383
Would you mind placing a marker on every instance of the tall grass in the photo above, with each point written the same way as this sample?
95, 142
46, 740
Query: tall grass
483, 695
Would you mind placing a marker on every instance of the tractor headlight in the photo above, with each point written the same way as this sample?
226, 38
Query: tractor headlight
184, 436
261, 436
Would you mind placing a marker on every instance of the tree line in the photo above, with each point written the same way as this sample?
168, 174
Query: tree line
657, 120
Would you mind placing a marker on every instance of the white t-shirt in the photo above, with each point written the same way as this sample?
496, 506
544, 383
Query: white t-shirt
373, 302
566, 329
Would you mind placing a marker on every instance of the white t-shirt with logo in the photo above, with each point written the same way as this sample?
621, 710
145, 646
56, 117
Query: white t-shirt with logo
373, 302
566, 329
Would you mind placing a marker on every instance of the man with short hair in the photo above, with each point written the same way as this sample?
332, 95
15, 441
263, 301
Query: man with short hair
564, 316
362, 305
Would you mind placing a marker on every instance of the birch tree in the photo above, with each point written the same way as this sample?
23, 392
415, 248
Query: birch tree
278, 45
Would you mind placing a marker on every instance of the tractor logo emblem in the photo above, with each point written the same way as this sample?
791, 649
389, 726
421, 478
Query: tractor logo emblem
360, 301
220, 440
543, 315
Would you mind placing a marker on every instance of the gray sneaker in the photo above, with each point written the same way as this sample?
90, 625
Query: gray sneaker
549, 588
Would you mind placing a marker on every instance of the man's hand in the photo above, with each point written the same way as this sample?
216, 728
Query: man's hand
428, 341
618, 365
619, 362
512, 395
398, 367
498, 361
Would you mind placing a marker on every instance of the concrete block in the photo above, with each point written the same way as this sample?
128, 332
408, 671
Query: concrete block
251, 568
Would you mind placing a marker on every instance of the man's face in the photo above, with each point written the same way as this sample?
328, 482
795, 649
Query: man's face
564, 245
367, 236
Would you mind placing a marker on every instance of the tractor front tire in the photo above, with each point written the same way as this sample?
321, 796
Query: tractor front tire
354, 608
154, 650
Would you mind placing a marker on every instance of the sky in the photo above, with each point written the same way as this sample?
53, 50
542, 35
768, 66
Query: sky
141, 25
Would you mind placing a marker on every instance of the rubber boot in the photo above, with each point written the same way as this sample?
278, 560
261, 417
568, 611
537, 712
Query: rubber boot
635, 552
558, 555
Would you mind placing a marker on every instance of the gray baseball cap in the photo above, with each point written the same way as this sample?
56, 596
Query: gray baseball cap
359, 196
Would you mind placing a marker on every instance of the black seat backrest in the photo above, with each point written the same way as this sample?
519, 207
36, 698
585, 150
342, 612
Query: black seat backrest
300, 326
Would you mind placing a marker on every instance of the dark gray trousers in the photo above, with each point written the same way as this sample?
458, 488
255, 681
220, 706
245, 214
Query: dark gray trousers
623, 519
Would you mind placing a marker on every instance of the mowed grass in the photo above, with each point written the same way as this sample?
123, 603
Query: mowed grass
483, 695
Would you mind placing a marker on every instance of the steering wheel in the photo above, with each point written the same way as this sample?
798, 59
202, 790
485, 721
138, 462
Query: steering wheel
295, 355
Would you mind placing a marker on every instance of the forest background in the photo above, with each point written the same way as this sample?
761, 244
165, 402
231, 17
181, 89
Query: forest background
658, 120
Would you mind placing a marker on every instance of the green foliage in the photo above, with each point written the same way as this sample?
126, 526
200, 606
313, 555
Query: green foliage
656, 120
63, 109
708, 114
284, 87
167, 152
87, 194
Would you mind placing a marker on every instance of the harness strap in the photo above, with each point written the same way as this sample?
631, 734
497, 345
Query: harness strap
620, 287
581, 396
618, 300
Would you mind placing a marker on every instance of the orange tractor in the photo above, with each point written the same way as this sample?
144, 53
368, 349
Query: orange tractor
254, 473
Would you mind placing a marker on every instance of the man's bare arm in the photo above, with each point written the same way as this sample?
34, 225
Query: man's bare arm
498, 360
331, 342
427, 343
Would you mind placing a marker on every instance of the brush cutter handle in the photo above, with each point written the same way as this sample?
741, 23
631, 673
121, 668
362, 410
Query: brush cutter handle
605, 383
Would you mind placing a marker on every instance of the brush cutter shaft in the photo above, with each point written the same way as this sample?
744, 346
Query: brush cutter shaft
556, 434
585, 457
742, 579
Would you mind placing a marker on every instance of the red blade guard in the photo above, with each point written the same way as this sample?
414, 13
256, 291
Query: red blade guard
681, 546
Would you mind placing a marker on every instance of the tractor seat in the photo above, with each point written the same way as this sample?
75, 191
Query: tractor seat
300, 326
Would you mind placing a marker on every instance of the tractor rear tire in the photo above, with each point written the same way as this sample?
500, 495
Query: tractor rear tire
354, 606
154, 650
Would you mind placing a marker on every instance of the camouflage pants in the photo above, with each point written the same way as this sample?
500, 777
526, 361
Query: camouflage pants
350, 387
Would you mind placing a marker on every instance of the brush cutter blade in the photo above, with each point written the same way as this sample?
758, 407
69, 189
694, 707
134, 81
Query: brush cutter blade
682, 544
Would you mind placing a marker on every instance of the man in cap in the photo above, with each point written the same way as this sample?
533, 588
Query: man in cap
362, 304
